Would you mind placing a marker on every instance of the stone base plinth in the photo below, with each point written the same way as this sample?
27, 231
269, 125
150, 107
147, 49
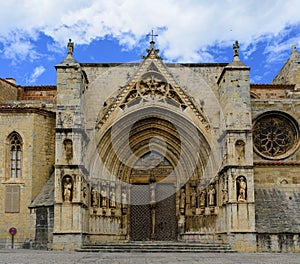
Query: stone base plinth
67, 241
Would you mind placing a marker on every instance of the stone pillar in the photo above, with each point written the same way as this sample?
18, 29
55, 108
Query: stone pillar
234, 88
71, 191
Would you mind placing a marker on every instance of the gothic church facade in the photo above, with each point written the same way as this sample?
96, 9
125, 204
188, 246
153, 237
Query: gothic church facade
152, 151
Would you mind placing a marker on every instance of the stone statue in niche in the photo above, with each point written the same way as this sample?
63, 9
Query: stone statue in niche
67, 189
103, 196
225, 190
182, 201
242, 186
211, 195
202, 198
112, 198
68, 148
193, 198
124, 201
84, 194
95, 198
240, 149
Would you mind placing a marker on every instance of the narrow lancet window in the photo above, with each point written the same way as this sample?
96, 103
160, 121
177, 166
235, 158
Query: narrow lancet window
15, 155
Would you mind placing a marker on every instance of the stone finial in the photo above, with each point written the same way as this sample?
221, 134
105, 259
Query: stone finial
70, 48
152, 51
69, 60
294, 48
236, 62
236, 50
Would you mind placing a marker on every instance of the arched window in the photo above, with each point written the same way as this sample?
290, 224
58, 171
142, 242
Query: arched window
15, 155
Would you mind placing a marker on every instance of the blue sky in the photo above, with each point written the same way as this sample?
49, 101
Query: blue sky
34, 33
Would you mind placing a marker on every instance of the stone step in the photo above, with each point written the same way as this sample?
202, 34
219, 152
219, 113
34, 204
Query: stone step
157, 247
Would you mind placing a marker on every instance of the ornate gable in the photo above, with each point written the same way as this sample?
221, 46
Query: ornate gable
152, 84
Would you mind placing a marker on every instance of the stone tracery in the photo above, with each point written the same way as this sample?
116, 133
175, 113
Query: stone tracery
274, 136
153, 86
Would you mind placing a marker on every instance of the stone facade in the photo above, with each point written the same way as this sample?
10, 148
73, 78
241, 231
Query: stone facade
154, 152
36, 130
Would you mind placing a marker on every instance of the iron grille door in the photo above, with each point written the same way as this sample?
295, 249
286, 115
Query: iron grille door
165, 215
140, 213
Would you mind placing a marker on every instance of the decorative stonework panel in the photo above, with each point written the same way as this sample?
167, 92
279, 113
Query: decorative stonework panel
275, 136
153, 86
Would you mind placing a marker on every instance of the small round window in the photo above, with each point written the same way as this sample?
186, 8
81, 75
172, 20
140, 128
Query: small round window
275, 135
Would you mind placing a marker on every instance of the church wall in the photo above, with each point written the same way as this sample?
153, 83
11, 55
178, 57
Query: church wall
197, 78
105, 80
44, 93
271, 91
289, 106
44, 155
277, 199
8, 91
290, 72
200, 81
277, 182
36, 129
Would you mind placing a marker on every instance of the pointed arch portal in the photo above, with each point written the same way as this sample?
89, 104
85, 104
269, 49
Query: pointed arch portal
153, 151
157, 129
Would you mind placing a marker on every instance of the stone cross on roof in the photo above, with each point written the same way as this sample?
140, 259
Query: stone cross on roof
152, 42
152, 35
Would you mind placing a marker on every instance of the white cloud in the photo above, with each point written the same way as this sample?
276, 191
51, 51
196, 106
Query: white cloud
17, 46
188, 27
38, 71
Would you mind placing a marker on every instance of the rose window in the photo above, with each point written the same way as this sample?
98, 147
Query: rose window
275, 136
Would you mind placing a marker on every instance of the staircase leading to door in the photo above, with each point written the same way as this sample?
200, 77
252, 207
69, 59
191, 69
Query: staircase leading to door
216, 247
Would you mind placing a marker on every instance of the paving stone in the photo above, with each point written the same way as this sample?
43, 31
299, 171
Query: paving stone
39, 256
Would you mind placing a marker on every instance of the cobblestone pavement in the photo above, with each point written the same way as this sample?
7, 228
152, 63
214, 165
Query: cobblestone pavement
19, 256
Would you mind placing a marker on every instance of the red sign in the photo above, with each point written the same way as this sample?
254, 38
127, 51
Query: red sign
13, 231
